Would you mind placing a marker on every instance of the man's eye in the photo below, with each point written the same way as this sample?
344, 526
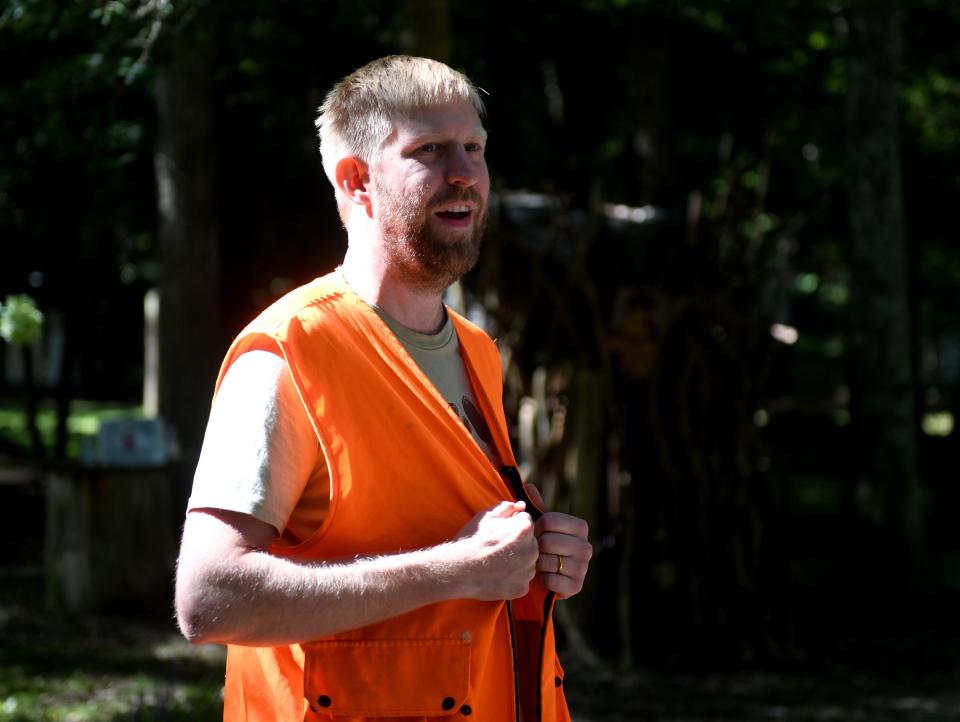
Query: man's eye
473, 148
428, 147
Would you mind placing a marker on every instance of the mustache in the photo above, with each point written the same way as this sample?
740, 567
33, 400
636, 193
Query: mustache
457, 194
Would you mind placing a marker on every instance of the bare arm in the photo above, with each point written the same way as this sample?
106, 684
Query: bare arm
230, 589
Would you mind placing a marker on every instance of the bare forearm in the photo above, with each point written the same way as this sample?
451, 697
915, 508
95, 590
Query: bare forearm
230, 589
259, 599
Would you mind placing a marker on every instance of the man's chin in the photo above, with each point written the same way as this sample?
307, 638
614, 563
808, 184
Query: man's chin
437, 269
454, 234
433, 257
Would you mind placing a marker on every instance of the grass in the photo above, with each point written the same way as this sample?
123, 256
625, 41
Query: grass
56, 668
82, 424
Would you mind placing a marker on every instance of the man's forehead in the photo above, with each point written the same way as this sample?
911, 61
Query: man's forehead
457, 118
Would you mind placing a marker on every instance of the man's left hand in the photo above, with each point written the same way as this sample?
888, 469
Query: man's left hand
565, 550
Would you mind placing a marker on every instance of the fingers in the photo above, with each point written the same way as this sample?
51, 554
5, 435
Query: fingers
509, 513
571, 566
534, 494
512, 521
564, 586
569, 546
555, 521
565, 553
512, 550
565, 579
504, 550
506, 509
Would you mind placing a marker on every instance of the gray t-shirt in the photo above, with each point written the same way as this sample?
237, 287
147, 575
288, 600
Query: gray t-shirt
438, 356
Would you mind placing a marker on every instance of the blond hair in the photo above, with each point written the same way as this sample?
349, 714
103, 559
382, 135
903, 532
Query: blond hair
359, 112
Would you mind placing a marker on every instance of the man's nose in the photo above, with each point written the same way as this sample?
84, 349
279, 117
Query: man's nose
461, 169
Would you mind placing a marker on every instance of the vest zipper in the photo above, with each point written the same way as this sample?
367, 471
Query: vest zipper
547, 619
512, 475
513, 650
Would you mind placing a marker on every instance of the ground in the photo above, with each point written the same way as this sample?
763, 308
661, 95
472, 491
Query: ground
56, 668
832, 692
118, 668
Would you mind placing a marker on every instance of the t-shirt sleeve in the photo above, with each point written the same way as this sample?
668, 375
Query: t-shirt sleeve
259, 448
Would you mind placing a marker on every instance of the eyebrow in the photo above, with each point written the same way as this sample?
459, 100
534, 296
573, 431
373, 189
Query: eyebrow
477, 132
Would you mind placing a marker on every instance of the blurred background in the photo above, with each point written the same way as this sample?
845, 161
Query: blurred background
722, 269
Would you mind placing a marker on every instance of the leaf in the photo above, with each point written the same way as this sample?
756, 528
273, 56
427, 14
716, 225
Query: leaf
21, 322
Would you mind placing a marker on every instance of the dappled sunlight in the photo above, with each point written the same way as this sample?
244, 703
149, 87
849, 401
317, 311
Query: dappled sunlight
784, 333
102, 669
176, 648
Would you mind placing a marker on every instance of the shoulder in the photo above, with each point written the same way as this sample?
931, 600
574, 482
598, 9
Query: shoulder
295, 316
254, 370
323, 306
309, 303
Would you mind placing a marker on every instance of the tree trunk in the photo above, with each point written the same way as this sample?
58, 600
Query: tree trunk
64, 389
188, 233
646, 98
881, 374
30, 404
586, 465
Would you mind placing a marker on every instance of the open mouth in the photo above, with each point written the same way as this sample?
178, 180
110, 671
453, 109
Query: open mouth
455, 214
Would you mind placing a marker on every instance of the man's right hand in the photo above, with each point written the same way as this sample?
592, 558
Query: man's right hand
500, 551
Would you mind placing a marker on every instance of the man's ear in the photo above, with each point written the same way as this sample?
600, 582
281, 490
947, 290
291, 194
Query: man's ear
352, 180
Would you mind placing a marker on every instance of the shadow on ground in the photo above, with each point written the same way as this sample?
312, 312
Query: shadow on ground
56, 668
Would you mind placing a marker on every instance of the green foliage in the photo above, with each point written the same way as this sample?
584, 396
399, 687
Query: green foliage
933, 108
82, 423
21, 322
75, 161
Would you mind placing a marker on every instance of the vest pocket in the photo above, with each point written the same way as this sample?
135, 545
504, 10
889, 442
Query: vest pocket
387, 677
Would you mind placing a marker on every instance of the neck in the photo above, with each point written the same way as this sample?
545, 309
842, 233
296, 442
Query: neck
379, 285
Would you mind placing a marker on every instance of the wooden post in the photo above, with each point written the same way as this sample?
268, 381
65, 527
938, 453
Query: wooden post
151, 353
109, 544
585, 474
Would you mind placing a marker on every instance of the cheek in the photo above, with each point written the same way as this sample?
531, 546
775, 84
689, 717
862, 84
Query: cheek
422, 182
407, 175
484, 189
483, 182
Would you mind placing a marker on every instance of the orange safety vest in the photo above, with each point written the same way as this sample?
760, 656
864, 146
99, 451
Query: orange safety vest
404, 474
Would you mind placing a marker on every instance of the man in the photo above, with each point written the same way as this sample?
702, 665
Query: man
358, 534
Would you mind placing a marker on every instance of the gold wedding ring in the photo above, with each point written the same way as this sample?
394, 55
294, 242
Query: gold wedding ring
559, 563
